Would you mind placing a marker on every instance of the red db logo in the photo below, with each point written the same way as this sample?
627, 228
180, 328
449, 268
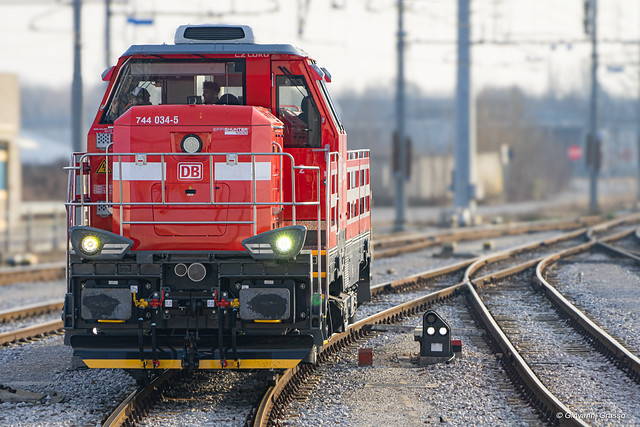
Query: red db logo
190, 171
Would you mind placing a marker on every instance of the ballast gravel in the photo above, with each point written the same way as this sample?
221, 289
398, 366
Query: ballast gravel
396, 390
470, 389
28, 293
28, 322
212, 398
44, 367
586, 381
394, 268
605, 288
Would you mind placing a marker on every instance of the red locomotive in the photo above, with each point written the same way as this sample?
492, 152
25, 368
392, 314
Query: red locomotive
217, 219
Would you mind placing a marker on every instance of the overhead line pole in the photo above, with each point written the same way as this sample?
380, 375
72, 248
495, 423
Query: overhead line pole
107, 33
593, 112
401, 173
465, 146
76, 87
638, 144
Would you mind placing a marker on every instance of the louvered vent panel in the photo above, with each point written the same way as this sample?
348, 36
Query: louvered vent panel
213, 33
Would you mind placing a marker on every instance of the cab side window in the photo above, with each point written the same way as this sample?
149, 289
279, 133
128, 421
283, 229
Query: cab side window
297, 109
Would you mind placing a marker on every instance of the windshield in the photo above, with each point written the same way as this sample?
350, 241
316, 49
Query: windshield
162, 81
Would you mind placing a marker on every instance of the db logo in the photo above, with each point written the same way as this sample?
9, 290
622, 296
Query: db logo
190, 171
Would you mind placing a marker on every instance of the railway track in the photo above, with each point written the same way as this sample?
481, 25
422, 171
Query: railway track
611, 354
399, 244
384, 246
32, 332
32, 273
545, 402
447, 283
451, 281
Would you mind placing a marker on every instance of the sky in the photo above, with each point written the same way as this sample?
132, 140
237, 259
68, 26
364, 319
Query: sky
538, 45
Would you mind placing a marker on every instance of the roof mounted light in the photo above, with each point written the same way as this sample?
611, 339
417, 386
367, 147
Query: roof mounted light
191, 144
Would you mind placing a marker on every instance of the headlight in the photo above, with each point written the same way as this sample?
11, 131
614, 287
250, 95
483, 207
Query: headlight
280, 243
431, 330
90, 244
94, 243
283, 244
443, 331
191, 144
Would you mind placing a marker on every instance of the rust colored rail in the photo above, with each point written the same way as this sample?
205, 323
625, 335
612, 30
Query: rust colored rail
395, 245
549, 404
37, 331
30, 311
129, 410
611, 346
32, 273
274, 401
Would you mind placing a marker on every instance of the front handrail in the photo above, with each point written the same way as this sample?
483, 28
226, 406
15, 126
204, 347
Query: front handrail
80, 187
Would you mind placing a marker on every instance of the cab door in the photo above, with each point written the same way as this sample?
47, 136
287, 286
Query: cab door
295, 103
296, 106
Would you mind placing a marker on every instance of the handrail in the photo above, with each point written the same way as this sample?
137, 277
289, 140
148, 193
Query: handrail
81, 186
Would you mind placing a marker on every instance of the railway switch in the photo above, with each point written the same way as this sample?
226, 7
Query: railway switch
435, 339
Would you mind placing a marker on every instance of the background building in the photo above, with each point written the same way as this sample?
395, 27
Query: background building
10, 168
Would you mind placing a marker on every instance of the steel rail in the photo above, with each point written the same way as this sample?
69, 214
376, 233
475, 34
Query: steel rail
619, 353
129, 409
627, 219
431, 239
485, 260
588, 232
620, 251
30, 311
31, 332
53, 271
419, 279
551, 405
275, 398
548, 403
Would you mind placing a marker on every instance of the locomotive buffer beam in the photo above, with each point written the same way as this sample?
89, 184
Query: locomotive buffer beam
252, 351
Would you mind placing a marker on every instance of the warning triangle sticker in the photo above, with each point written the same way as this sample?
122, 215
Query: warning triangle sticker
103, 167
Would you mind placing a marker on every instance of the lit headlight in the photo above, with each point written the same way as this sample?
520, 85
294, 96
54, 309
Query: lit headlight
90, 244
94, 243
281, 243
191, 144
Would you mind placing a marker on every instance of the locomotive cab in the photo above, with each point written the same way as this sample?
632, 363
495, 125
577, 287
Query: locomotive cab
217, 219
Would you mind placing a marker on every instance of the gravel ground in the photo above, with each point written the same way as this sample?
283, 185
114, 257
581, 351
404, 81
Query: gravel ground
19, 294
394, 268
585, 380
475, 376
28, 322
214, 398
42, 367
395, 390
607, 290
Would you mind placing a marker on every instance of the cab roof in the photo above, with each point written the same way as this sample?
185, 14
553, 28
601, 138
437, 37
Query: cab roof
214, 48
214, 39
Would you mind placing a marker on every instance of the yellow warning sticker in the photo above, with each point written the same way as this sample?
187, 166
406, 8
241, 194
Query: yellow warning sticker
103, 167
